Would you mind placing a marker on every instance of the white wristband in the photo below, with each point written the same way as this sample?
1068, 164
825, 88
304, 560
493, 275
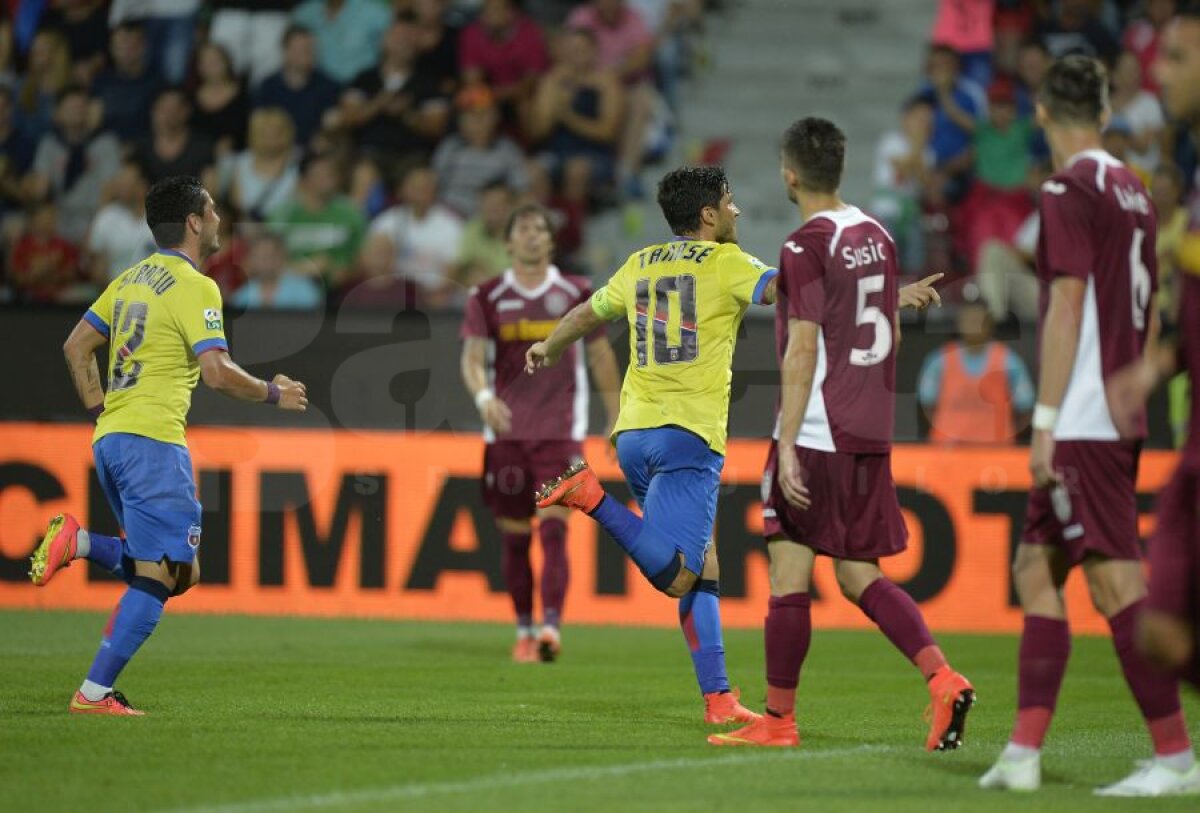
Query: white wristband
1044, 417
484, 396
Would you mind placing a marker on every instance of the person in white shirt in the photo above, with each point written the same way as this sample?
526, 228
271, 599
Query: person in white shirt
118, 236
425, 236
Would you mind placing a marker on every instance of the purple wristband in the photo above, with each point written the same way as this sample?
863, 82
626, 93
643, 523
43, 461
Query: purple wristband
272, 392
95, 411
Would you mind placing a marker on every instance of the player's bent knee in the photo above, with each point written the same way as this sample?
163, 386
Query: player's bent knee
684, 583
187, 577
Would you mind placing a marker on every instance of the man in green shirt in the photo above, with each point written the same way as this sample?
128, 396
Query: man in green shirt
322, 228
483, 252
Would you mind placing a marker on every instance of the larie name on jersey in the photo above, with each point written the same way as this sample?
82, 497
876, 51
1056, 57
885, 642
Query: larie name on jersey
869, 254
1131, 200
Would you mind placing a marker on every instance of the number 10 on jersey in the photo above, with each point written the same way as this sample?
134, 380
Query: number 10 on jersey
672, 295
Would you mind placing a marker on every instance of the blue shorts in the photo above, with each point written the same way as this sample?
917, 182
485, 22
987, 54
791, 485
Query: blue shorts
150, 488
675, 476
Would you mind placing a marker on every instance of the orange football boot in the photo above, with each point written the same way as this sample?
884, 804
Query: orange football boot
576, 488
525, 650
112, 703
56, 551
723, 707
767, 730
951, 696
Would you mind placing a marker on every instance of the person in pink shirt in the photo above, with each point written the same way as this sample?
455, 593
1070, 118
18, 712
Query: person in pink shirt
505, 50
967, 27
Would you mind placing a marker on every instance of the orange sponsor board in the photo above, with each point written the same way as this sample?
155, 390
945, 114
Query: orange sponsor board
391, 525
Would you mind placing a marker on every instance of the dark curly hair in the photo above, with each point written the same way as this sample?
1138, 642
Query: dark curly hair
683, 193
168, 204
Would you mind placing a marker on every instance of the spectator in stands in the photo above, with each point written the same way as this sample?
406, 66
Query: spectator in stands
368, 186
222, 108
568, 214
437, 45
263, 176
1072, 27
348, 34
84, 26
958, 104
670, 21
483, 253
43, 265
170, 27
1140, 108
376, 285
171, 147
1166, 189
392, 110
1118, 139
625, 45
127, 88
16, 155
506, 51
475, 156
8, 75
1142, 37
300, 88
247, 30
577, 115
72, 164
1005, 274
999, 200
46, 75
119, 237
904, 162
975, 390
271, 283
321, 227
1033, 61
424, 235
966, 27
227, 267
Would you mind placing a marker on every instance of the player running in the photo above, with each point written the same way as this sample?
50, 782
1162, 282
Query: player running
1096, 261
1170, 625
162, 321
828, 486
533, 426
684, 301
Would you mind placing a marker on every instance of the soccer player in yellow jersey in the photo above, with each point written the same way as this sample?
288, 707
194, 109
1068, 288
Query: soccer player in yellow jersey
684, 301
163, 324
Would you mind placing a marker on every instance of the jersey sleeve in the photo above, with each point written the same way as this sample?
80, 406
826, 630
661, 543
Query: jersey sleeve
100, 312
609, 302
746, 277
475, 321
1066, 231
802, 264
198, 315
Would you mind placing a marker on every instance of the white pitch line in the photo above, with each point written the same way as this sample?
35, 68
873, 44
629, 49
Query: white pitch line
285, 804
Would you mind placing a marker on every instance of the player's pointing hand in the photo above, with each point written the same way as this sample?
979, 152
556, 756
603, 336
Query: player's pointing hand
920, 295
539, 356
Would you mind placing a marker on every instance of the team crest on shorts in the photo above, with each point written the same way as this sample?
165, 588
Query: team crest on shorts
212, 318
194, 536
556, 303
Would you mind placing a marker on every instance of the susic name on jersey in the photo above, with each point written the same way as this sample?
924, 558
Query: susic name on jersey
673, 252
869, 254
527, 330
155, 277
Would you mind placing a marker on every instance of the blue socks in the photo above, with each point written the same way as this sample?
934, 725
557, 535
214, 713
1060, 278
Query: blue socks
135, 618
700, 619
107, 552
651, 555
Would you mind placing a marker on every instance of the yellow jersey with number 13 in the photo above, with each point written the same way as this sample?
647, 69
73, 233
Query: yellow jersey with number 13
684, 301
158, 316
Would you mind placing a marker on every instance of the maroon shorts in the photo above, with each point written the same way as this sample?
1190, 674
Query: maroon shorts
513, 470
1095, 510
1175, 558
855, 513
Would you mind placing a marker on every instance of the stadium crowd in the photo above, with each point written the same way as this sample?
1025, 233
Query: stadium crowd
364, 152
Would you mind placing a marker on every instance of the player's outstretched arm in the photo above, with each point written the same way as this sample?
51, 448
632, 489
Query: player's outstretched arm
80, 351
1060, 341
580, 321
222, 374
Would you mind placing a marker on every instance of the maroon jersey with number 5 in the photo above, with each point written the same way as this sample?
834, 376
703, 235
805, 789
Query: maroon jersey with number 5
839, 270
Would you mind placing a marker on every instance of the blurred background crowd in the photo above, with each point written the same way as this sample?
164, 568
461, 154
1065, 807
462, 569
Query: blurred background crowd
362, 152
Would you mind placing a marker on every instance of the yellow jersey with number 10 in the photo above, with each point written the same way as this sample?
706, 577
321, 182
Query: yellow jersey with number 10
684, 301
158, 316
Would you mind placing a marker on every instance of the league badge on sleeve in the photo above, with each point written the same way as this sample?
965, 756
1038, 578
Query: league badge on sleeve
212, 319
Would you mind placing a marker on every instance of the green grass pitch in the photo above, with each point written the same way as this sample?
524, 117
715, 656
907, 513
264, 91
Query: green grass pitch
248, 715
